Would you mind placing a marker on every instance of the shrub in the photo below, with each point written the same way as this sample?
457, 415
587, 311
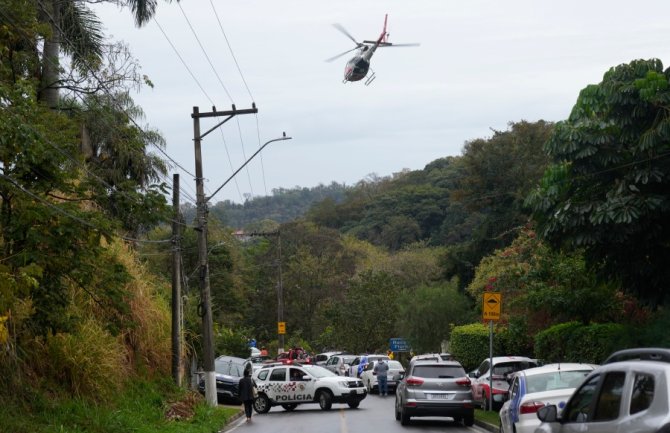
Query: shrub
576, 342
470, 344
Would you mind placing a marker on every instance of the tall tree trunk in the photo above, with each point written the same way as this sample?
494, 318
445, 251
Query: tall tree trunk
50, 63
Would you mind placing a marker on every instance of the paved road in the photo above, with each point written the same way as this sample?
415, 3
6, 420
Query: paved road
375, 415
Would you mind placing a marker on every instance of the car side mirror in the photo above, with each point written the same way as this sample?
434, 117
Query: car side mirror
548, 413
473, 374
307, 378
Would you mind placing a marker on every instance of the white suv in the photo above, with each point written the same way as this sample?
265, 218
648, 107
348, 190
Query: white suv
291, 385
627, 394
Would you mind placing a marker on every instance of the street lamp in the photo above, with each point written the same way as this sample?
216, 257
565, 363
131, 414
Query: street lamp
284, 137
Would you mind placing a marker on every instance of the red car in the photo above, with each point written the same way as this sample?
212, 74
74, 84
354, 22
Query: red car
297, 354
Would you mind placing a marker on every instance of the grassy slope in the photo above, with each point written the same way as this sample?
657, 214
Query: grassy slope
141, 408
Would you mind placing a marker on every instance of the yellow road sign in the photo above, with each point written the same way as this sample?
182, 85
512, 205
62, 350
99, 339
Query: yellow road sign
491, 307
281, 328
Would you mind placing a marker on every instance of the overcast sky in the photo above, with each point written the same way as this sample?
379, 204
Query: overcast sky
481, 64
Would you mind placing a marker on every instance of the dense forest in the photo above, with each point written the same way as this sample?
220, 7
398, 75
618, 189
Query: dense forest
568, 220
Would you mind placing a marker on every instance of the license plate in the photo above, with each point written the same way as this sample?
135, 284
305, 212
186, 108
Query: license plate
440, 396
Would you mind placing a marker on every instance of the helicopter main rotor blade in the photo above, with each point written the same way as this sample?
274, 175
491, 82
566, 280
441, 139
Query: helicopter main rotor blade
341, 54
346, 33
389, 44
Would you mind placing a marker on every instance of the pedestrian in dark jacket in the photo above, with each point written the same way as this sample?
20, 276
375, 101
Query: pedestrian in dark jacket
381, 369
246, 392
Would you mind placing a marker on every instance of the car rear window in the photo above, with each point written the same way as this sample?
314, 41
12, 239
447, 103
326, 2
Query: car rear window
438, 371
395, 365
504, 368
555, 380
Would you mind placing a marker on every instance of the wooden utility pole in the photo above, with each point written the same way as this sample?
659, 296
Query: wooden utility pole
205, 307
176, 284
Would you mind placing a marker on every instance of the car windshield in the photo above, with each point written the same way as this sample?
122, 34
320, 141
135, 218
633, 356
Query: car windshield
438, 371
229, 368
555, 380
318, 371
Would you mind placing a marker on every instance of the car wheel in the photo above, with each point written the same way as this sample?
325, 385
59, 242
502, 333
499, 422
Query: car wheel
484, 402
262, 404
397, 410
289, 407
404, 417
469, 420
354, 404
325, 400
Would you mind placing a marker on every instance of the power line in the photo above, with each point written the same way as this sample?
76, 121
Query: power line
230, 48
205, 53
183, 63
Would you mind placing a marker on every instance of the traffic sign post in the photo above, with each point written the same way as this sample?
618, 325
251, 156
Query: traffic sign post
491, 306
281, 328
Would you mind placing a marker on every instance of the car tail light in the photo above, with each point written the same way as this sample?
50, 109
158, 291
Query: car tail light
414, 381
464, 381
530, 407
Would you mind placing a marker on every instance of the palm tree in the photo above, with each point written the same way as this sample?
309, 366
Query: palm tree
77, 32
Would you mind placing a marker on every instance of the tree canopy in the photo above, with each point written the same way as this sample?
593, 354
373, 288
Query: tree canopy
608, 190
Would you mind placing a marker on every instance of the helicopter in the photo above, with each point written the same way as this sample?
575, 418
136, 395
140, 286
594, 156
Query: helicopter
358, 66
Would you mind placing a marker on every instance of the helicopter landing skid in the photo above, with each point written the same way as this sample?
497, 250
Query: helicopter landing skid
371, 78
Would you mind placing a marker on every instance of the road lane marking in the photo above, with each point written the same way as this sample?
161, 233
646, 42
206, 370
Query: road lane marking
343, 421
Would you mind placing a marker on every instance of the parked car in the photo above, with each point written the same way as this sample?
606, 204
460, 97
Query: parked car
433, 357
629, 393
503, 368
537, 387
359, 363
435, 388
228, 370
339, 364
395, 373
291, 385
322, 358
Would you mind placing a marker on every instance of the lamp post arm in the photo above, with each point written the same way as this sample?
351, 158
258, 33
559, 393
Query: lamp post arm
245, 163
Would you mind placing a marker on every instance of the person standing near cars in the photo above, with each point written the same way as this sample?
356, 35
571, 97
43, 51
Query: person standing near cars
246, 391
381, 370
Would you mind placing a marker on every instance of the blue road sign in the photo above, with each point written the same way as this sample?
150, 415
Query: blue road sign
399, 345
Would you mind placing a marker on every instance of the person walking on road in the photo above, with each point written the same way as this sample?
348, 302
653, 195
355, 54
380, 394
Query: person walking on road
381, 369
246, 390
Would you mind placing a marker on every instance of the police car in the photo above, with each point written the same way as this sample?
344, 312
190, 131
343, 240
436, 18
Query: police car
291, 385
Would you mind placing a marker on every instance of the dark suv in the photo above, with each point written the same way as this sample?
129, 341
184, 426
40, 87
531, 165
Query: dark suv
435, 388
229, 370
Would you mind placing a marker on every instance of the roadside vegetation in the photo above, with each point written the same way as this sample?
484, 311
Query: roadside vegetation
569, 221
146, 407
